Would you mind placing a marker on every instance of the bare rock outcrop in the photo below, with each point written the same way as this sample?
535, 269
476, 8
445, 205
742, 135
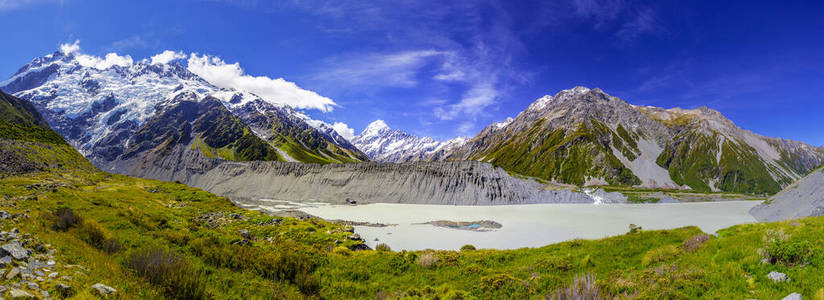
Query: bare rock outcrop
805, 198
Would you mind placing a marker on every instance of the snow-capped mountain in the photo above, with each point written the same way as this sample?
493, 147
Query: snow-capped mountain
385, 144
586, 137
101, 106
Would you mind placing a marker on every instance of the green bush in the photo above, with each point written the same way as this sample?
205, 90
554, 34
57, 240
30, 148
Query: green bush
178, 278
95, 235
467, 248
66, 219
286, 263
789, 252
659, 255
383, 247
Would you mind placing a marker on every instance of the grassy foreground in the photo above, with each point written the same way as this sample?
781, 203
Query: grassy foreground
152, 239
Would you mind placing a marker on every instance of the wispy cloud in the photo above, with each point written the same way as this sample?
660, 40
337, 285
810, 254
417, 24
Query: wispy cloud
399, 69
629, 21
9, 5
601, 11
134, 42
643, 21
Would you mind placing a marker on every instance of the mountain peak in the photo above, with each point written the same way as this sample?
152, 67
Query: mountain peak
375, 127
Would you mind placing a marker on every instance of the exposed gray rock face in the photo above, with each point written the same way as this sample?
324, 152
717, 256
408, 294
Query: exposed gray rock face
15, 250
804, 198
454, 183
778, 276
793, 296
102, 289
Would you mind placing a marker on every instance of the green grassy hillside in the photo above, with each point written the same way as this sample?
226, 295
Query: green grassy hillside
569, 157
149, 239
28, 144
125, 220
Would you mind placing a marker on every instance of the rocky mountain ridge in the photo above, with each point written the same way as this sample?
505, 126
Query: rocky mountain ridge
584, 136
100, 109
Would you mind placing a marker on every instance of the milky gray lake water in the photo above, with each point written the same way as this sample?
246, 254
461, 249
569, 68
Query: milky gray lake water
532, 225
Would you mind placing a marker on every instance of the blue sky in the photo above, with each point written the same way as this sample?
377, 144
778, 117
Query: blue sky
446, 69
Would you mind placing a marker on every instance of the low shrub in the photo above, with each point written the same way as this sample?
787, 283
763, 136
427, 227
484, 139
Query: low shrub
428, 259
176, 275
383, 247
694, 242
658, 255
288, 262
65, 219
789, 252
448, 258
95, 235
467, 248
556, 263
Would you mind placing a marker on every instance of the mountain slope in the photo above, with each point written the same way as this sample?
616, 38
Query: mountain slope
385, 144
100, 111
803, 198
294, 135
28, 144
587, 137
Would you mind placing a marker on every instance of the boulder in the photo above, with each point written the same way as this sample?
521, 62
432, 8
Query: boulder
14, 272
245, 234
102, 290
778, 277
359, 247
793, 296
5, 261
16, 293
15, 250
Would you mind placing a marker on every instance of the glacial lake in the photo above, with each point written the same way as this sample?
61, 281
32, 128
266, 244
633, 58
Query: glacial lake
531, 225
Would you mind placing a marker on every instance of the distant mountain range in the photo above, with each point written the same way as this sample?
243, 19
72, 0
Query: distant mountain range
584, 136
123, 118
385, 144
126, 113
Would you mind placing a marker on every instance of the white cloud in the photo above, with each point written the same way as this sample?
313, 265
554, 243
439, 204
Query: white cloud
91, 61
344, 130
167, 56
279, 91
69, 48
111, 59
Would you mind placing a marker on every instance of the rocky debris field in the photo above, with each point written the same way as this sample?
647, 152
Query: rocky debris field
29, 269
